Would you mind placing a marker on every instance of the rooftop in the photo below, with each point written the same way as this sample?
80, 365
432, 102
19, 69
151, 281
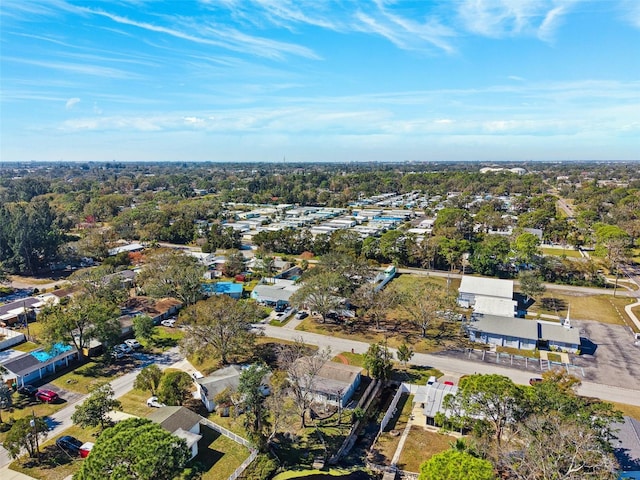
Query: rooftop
488, 287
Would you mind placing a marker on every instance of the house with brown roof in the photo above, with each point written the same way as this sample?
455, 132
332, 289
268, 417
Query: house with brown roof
181, 422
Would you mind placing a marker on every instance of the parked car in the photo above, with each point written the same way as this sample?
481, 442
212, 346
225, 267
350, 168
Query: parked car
168, 323
432, 380
301, 314
117, 353
153, 402
533, 381
124, 348
69, 444
28, 390
448, 382
46, 396
133, 343
85, 449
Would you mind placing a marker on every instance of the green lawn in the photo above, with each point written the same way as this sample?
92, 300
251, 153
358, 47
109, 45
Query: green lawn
601, 308
562, 252
26, 347
89, 375
421, 445
218, 455
134, 402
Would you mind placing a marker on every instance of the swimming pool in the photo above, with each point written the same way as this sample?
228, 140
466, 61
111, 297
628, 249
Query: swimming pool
43, 355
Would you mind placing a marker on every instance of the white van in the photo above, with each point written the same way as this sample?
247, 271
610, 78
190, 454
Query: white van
432, 380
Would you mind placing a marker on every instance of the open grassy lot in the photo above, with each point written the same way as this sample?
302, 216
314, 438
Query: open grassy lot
562, 252
55, 463
421, 445
95, 372
601, 308
218, 456
134, 402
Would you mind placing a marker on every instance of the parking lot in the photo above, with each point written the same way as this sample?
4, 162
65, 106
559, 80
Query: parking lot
616, 360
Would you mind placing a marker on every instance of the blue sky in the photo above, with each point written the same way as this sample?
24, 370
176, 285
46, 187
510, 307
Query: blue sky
344, 80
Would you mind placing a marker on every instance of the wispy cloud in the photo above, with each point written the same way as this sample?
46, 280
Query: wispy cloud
503, 18
72, 102
77, 68
630, 12
223, 37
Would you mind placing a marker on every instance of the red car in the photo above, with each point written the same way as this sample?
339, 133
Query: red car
46, 396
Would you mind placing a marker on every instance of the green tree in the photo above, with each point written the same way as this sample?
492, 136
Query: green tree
526, 247
169, 273
79, 321
234, 264
530, 284
378, 361
95, 409
6, 398
404, 353
175, 387
319, 293
135, 449
256, 415
493, 400
21, 436
148, 379
490, 255
219, 326
456, 465
143, 328
453, 223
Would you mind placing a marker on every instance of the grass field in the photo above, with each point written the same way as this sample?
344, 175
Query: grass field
562, 252
82, 379
421, 445
601, 308
218, 455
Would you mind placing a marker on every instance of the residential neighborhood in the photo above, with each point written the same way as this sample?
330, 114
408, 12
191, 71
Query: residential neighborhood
361, 338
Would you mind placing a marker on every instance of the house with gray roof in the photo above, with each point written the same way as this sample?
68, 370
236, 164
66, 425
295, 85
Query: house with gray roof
181, 422
523, 334
431, 399
335, 383
209, 387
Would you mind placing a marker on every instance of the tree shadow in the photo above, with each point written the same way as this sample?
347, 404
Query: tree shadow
554, 304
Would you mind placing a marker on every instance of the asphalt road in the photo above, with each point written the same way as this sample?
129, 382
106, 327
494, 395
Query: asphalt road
455, 366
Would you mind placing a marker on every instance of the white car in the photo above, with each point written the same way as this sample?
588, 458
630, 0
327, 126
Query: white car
133, 343
153, 402
168, 323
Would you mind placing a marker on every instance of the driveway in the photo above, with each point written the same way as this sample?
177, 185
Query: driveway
616, 360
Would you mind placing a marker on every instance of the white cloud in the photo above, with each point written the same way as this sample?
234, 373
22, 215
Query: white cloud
504, 18
72, 102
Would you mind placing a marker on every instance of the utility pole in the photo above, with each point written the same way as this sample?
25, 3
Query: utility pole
34, 425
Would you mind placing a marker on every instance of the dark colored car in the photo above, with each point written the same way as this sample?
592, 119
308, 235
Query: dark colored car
28, 390
69, 443
46, 396
533, 381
